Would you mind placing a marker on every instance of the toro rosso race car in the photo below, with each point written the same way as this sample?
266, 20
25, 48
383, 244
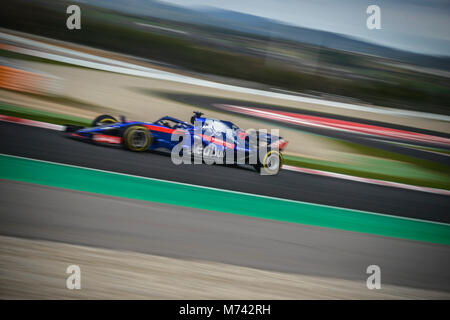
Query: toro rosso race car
203, 140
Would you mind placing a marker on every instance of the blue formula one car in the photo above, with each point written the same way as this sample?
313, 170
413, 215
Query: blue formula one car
211, 140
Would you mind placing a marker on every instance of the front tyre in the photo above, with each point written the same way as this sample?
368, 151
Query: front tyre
102, 120
137, 138
270, 164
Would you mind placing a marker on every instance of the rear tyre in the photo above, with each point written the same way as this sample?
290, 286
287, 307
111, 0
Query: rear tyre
103, 120
270, 164
137, 138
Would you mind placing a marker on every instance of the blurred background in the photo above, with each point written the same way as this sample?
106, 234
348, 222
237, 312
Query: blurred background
321, 49
370, 104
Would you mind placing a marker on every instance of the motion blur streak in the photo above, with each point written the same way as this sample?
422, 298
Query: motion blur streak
158, 74
366, 177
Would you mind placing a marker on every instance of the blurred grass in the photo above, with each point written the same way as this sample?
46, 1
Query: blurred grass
429, 149
367, 162
67, 101
20, 56
40, 115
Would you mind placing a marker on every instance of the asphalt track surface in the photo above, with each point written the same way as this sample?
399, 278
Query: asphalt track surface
54, 146
40, 212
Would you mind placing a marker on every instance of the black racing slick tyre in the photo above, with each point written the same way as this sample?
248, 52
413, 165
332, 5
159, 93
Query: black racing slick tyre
270, 164
103, 120
137, 138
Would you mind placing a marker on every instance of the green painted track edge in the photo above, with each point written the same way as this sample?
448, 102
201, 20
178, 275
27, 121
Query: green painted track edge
141, 188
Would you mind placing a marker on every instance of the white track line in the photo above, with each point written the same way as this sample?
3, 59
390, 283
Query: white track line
56, 127
32, 123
